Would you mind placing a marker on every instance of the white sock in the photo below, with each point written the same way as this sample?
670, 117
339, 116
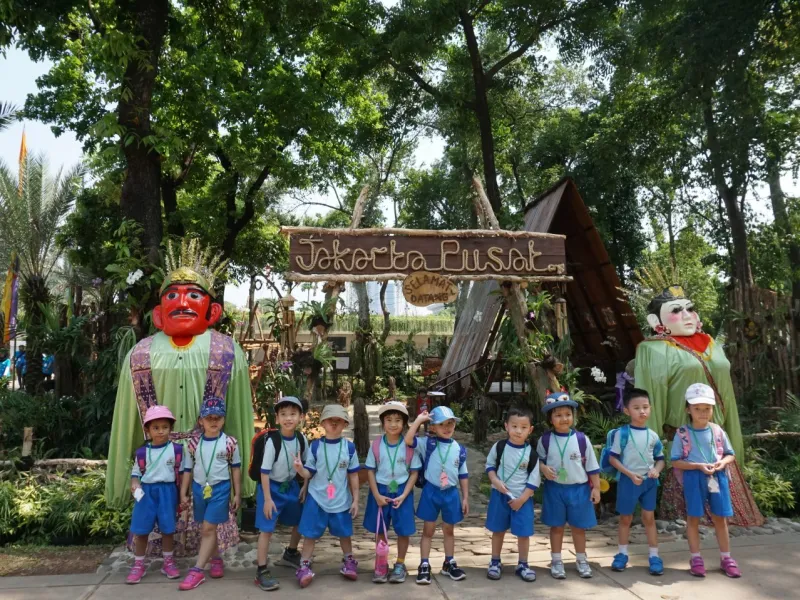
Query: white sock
696, 555
623, 549
653, 552
580, 556
725, 554
555, 556
167, 554
135, 558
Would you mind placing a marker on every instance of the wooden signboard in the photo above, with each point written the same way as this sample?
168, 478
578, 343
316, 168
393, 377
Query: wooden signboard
317, 254
423, 288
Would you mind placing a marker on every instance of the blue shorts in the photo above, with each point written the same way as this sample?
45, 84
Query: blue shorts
215, 509
315, 521
568, 504
434, 500
501, 517
288, 506
696, 494
159, 505
629, 494
401, 518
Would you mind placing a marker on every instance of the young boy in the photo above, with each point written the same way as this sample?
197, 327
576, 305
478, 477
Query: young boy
332, 502
639, 463
278, 494
514, 477
568, 462
210, 467
444, 463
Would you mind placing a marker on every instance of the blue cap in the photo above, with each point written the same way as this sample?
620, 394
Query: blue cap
557, 400
212, 406
440, 414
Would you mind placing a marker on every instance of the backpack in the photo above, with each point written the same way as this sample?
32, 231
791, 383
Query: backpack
376, 452
257, 445
686, 445
141, 459
581, 444
430, 446
605, 452
501, 445
351, 448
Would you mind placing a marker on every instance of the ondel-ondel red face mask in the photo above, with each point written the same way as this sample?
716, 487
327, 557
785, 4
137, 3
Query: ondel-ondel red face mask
186, 310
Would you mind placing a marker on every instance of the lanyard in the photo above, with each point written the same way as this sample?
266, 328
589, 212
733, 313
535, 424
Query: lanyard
286, 453
564, 449
336, 464
392, 459
503, 465
446, 454
699, 447
213, 454
153, 463
646, 444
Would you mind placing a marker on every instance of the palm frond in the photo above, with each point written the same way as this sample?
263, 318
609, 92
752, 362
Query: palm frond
8, 112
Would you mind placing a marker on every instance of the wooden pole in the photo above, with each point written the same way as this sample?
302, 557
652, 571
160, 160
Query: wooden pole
27, 442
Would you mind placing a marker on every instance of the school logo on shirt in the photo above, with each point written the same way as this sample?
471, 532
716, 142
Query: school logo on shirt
456, 462
523, 465
170, 462
575, 456
222, 455
343, 464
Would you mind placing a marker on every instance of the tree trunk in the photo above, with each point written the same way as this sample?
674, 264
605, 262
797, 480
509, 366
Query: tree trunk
141, 190
169, 195
784, 229
368, 366
482, 112
360, 427
63, 374
387, 323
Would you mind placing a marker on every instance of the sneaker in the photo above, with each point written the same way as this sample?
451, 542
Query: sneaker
656, 565
381, 574
217, 569
495, 571
584, 570
193, 579
290, 558
697, 567
136, 573
266, 581
169, 568
424, 574
304, 575
620, 562
557, 570
452, 570
730, 568
399, 573
525, 573
349, 568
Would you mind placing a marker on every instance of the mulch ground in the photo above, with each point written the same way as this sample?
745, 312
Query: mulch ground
51, 560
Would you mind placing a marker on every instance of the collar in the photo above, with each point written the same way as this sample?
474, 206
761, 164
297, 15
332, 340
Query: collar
511, 444
444, 441
154, 447
563, 434
329, 441
386, 441
290, 438
706, 428
638, 428
210, 439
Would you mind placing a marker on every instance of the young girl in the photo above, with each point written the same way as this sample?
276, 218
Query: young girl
155, 489
393, 470
210, 468
332, 502
701, 453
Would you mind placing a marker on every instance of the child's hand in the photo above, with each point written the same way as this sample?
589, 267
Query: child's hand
500, 486
708, 469
637, 479
354, 509
185, 502
383, 500
422, 417
269, 508
298, 463
516, 503
135, 485
719, 466
465, 506
548, 472
595, 495
399, 500
653, 474
236, 503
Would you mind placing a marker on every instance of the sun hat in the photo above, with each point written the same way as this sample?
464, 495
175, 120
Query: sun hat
393, 405
440, 414
332, 411
212, 406
290, 400
158, 412
557, 400
700, 393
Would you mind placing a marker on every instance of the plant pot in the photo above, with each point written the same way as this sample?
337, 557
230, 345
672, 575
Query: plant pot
249, 519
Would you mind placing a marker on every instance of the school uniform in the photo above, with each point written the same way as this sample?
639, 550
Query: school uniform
695, 482
329, 461
440, 456
283, 485
392, 467
160, 501
568, 502
513, 472
642, 450
211, 455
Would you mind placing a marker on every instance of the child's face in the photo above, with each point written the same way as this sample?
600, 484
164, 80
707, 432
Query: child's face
562, 419
212, 425
393, 424
700, 414
518, 428
288, 418
334, 427
159, 431
445, 430
638, 410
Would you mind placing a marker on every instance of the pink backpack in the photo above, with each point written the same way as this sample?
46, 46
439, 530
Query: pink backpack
686, 443
376, 452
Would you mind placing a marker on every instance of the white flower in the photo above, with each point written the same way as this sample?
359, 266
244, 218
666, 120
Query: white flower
134, 277
478, 316
598, 375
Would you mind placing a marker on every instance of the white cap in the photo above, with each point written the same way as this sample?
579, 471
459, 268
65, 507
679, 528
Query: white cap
700, 393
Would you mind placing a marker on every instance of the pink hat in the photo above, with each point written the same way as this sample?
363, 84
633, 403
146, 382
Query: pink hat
158, 412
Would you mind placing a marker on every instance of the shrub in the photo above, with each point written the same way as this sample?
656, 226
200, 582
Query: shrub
772, 493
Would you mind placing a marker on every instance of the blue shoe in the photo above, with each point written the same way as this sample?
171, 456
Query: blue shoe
620, 562
656, 565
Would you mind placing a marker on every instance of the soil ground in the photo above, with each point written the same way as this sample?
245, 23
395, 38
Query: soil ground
51, 560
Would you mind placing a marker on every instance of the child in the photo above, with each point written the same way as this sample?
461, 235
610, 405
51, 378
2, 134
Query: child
210, 466
514, 479
278, 494
155, 488
701, 453
638, 455
567, 460
444, 463
332, 501
391, 480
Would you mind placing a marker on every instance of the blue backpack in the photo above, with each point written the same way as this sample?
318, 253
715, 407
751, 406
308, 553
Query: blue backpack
605, 453
430, 447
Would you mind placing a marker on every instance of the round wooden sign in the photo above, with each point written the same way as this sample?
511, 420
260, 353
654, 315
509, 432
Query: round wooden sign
422, 288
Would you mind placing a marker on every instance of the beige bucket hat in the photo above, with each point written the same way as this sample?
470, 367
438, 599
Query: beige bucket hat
332, 411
